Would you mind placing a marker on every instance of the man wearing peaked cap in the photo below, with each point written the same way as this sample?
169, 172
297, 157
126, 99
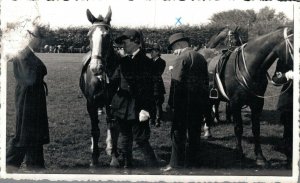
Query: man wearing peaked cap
129, 34
189, 100
133, 102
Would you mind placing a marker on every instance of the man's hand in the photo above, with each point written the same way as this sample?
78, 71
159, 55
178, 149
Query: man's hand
289, 75
144, 115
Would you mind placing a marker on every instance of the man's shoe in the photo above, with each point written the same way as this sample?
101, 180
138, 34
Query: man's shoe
167, 168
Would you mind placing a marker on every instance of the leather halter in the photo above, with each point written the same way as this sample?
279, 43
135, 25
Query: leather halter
243, 82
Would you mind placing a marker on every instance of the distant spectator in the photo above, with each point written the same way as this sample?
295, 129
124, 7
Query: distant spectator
159, 91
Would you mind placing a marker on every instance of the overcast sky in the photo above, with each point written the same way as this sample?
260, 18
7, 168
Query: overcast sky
151, 13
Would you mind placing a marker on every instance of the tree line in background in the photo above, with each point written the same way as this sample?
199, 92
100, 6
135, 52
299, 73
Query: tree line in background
252, 24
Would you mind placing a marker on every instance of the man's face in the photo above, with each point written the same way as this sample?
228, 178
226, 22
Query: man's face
35, 39
154, 54
129, 46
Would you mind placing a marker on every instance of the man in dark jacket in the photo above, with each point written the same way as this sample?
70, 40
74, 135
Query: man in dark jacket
134, 99
31, 112
284, 76
188, 98
159, 90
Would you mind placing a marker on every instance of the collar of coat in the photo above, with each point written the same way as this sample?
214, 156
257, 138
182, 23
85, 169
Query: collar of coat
135, 53
179, 51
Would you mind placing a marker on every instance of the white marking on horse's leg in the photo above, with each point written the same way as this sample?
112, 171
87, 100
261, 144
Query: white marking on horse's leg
206, 130
92, 146
108, 143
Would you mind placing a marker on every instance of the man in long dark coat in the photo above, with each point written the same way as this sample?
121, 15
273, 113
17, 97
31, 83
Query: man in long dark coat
31, 112
188, 98
159, 66
133, 102
284, 74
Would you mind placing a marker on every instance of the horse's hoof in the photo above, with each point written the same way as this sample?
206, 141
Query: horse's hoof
216, 120
262, 162
114, 163
93, 165
207, 137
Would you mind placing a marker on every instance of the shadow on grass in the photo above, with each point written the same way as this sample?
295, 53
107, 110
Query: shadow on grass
270, 116
265, 140
213, 156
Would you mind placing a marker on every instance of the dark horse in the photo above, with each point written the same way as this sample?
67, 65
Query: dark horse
98, 66
244, 81
231, 40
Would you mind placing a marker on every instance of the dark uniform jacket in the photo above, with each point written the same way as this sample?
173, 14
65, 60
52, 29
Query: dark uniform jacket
134, 78
30, 102
285, 101
189, 86
159, 66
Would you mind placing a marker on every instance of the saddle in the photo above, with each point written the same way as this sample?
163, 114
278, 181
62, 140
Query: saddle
219, 71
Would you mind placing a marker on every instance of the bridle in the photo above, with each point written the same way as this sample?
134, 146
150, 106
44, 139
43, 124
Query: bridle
245, 80
230, 33
103, 77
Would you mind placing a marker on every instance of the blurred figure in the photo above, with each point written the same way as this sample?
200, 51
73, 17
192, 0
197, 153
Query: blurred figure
32, 130
159, 90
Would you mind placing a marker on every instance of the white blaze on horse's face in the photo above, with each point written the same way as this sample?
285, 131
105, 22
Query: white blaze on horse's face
97, 43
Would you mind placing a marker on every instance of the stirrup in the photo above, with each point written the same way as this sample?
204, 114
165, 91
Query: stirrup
214, 94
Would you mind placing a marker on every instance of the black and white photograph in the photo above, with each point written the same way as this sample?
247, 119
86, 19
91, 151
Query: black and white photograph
150, 90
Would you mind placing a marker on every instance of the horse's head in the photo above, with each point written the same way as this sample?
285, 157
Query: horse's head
233, 38
229, 37
285, 50
100, 41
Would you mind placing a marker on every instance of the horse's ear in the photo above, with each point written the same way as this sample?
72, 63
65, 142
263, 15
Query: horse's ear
90, 16
107, 18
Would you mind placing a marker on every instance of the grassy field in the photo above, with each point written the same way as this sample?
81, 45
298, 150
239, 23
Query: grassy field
69, 123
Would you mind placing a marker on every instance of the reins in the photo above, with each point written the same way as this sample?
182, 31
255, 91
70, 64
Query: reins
244, 78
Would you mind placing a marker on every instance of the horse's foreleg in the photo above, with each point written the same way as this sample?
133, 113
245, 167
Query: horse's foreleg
208, 116
216, 111
228, 113
112, 141
238, 129
95, 132
255, 114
